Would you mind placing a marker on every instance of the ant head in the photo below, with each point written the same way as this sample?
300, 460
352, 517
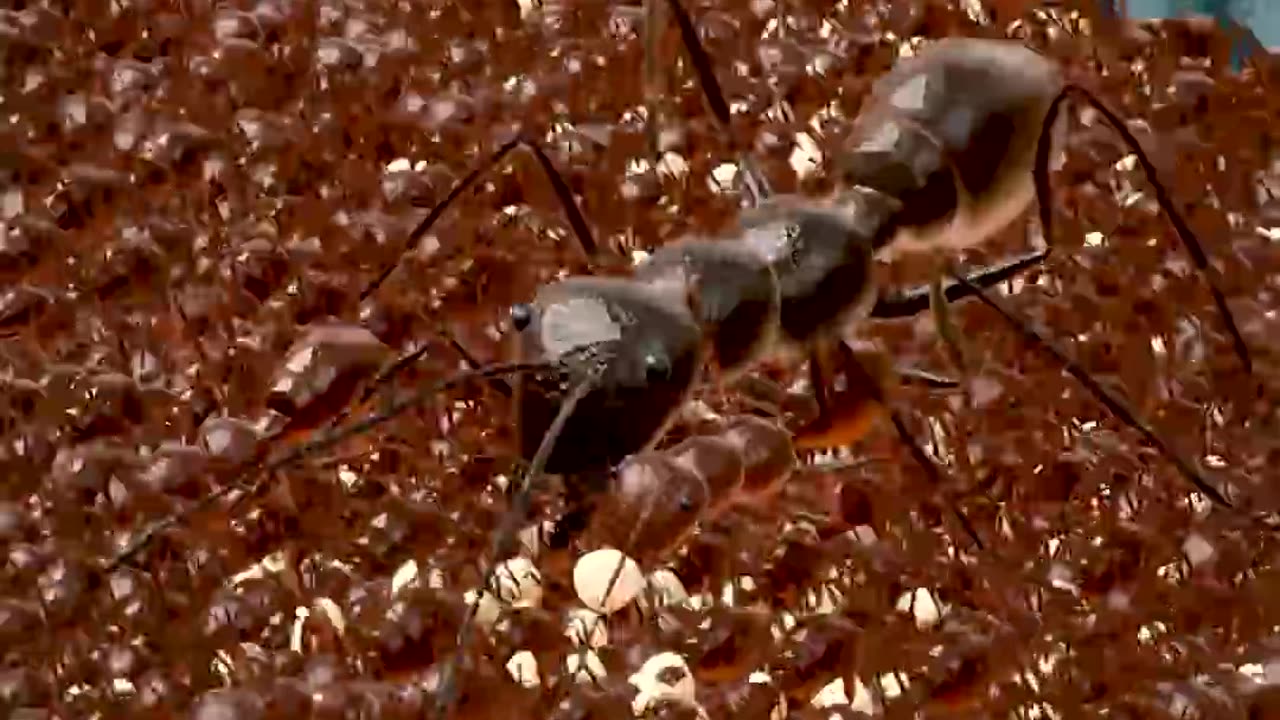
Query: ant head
639, 350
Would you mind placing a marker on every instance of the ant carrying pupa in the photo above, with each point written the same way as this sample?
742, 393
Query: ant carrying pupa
951, 147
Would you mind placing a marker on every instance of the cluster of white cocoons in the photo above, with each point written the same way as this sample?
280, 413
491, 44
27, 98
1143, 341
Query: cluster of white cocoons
607, 581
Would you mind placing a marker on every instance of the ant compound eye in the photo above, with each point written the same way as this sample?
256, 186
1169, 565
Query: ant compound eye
687, 504
656, 367
521, 316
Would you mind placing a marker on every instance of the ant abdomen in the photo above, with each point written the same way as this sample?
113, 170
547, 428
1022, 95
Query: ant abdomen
734, 291
656, 498
823, 257
967, 109
639, 350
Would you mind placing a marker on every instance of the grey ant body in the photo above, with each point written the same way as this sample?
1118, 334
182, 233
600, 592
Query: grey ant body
952, 134
944, 154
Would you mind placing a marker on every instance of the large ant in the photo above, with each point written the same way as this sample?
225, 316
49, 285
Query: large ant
951, 147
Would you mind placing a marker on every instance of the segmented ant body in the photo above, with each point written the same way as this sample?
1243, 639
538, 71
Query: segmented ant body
932, 163
791, 274
948, 151
950, 148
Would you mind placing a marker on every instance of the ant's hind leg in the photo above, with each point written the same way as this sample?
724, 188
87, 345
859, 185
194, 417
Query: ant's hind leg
1112, 402
945, 326
846, 409
655, 21
912, 302
856, 407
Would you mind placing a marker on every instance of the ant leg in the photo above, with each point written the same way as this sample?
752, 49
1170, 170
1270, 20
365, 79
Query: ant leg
504, 536
945, 325
365, 404
870, 390
753, 180
916, 376
1115, 404
655, 21
1185, 235
938, 297
582, 231
845, 415
586, 242
909, 303
819, 383
327, 439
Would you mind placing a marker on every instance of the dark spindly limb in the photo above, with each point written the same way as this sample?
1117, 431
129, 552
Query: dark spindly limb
437, 212
859, 374
701, 63
655, 21
916, 376
581, 230
256, 465
504, 537
574, 215
1116, 405
851, 413
912, 302
846, 415
404, 362
754, 181
1185, 235
931, 469
945, 326
819, 382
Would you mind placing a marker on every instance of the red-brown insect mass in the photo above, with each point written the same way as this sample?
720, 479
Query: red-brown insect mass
213, 280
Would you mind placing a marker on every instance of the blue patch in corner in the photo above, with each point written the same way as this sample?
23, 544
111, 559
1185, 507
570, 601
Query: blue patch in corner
1256, 23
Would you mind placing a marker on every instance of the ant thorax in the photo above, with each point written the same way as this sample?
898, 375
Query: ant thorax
823, 257
733, 292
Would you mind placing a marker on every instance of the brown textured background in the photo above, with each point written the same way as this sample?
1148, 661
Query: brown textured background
187, 185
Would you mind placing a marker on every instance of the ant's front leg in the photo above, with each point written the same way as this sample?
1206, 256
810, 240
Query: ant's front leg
848, 386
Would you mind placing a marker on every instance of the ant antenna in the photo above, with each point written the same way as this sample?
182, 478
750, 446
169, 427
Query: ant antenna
1112, 402
1185, 235
577, 222
325, 440
505, 535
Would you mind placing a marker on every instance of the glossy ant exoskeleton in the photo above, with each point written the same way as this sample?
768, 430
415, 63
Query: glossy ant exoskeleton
952, 145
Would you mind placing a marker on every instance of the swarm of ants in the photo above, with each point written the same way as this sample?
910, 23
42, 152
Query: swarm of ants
669, 358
